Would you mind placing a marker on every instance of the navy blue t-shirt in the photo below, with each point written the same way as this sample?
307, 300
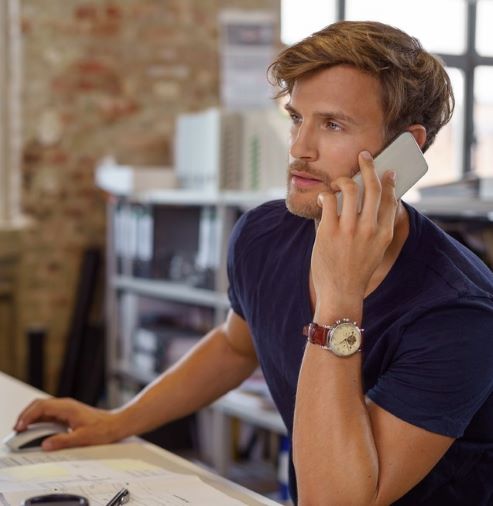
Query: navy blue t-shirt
428, 343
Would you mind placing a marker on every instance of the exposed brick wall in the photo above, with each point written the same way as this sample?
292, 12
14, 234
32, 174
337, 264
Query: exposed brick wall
100, 77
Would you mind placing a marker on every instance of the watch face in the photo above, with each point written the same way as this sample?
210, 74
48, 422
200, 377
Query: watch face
345, 339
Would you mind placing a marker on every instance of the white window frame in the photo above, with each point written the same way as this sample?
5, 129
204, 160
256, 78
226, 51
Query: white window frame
10, 112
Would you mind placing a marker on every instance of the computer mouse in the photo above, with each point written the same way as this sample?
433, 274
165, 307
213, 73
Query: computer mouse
31, 438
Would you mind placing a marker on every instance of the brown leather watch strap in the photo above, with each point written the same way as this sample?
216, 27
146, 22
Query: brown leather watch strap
317, 334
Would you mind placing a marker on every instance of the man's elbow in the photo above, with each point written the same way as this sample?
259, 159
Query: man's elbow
349, 496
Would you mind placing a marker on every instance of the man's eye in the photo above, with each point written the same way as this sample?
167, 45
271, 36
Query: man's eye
295, 118
330, 125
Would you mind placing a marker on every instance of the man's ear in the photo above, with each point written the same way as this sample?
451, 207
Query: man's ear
419, 133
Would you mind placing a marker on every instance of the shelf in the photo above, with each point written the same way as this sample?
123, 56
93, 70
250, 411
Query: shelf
133, 374
250, 199
171, 291
201, 198
439, 206
250, 408
176, 197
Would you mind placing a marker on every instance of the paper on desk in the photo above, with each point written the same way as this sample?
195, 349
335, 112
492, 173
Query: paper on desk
179, 490
99, 480
16, 459
74, 472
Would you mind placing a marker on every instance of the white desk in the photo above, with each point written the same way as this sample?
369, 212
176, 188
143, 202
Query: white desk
15, 395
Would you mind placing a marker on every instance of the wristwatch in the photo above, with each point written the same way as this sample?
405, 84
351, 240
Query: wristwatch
343, 338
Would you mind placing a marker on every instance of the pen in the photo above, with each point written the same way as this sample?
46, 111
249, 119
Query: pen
121, 497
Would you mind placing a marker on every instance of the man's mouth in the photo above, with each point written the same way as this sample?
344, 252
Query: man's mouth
304, 180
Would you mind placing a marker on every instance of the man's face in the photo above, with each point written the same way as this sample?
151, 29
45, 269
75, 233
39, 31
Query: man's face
336, 113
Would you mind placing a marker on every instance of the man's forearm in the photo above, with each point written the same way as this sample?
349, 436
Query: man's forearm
333, 446
210, 370
334, 451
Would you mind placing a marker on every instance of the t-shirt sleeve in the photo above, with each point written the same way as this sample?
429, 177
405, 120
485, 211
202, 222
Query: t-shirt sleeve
234, 266
442, 371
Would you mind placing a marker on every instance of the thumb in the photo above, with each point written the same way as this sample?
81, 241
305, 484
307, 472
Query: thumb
65, 440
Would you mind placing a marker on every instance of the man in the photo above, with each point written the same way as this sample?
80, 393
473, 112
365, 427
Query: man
410, 418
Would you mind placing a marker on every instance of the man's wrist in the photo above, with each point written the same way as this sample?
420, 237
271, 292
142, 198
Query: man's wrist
328, 314
123, 422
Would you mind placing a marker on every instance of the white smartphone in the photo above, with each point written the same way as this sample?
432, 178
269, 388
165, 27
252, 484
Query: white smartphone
404, 156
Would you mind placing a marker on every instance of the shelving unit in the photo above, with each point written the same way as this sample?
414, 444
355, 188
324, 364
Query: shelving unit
127, 291
129, 294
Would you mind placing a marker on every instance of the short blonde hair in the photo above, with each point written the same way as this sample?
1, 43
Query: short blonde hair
415, 86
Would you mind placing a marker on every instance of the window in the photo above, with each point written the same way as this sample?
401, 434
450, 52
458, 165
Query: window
484, 41
299, 19
483, 118
418, 19
463, 40
10, 136
445, 155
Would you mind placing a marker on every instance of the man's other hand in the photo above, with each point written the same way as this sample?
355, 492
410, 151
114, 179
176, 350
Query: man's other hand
88, 425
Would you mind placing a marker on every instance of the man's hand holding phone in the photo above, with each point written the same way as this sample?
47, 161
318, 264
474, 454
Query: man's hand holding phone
357, 224
350, 247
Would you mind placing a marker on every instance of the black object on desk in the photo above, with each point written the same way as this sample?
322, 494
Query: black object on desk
56, 500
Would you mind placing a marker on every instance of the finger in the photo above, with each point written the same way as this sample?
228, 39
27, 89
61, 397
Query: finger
328, 202
71, 439
33, 412
84, 436
389, 203
350, 199
19, 423
60, 410
372, 187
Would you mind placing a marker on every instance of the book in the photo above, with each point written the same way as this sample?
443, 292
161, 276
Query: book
126, 180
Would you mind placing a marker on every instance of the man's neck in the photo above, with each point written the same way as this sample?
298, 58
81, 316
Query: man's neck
401, 232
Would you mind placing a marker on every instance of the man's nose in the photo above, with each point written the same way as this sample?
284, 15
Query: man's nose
303, 144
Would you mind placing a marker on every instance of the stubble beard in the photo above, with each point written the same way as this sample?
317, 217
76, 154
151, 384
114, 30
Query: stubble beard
306, 207
301, 202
